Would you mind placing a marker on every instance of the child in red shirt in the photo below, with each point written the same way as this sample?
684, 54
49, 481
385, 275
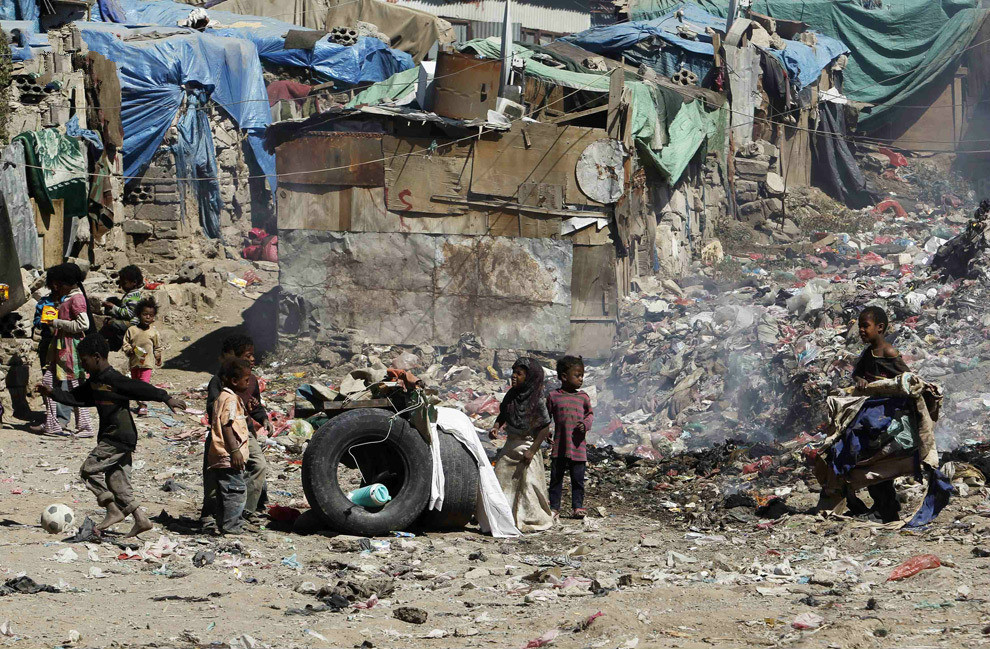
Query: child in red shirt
572, 416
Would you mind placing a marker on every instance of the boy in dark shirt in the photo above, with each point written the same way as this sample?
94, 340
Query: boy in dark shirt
105, 470
878, 361
256, 471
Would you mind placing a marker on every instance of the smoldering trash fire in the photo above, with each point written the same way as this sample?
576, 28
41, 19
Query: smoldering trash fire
728, 371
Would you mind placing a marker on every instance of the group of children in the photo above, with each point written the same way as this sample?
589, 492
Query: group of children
525, 416
234, 466
129, 327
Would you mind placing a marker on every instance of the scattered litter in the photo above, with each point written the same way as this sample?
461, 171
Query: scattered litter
913, 566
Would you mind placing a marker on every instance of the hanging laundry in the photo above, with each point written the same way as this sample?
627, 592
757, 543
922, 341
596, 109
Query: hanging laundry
17, 203
72, 129
101, 197
56, 169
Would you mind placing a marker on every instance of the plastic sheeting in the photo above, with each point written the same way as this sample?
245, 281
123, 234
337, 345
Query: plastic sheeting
834, 168
20, 10
370, 60
396, 86
27, 39
804, 63
153, 76
196, 157
897, 51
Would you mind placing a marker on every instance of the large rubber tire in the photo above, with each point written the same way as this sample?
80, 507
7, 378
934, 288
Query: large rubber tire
460, 494
402, 451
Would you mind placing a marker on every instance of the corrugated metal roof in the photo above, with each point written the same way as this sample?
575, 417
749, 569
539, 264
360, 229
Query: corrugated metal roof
484, 29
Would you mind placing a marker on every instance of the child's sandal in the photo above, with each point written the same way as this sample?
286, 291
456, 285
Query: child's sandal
580, 512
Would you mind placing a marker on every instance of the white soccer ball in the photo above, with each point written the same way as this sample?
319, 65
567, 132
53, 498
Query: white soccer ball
57, 518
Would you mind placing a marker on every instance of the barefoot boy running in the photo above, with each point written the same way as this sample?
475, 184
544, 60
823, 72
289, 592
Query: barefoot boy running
106, 469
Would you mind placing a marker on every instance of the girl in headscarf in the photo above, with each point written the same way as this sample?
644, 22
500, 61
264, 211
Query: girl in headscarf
519, 469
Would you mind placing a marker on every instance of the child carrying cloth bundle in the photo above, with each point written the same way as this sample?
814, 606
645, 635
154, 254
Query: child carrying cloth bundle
882, 428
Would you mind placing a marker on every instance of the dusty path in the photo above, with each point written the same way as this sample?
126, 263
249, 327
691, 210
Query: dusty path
712, 592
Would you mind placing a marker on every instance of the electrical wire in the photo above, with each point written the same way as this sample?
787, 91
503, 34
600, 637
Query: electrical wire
427, 151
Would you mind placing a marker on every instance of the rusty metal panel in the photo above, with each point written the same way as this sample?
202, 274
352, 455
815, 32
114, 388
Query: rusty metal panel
346, 159
532, 153
466, 86
414, 179
514, 293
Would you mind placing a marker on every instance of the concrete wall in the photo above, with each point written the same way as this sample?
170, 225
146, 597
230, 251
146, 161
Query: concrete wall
402, 288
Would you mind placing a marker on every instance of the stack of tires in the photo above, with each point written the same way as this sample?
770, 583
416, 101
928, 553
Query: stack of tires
389, 450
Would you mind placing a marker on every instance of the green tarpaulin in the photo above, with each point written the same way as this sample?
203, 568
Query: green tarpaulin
689, 125
659, 115
395, 87
898, 50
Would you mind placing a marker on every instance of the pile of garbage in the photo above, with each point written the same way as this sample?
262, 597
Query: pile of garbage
749, 348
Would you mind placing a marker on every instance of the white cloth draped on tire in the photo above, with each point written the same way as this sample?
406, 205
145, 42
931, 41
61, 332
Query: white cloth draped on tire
494, 514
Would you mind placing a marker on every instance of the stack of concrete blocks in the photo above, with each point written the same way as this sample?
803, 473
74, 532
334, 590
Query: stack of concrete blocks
154, 222
45, 89
759, 189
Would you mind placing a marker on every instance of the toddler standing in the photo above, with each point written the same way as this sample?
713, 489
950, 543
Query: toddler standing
143, 345
572, 416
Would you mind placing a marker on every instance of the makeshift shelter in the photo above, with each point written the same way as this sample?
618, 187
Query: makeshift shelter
526, 234
897, 50
157, 64
369, 60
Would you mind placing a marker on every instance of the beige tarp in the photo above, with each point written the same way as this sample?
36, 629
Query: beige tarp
305, 13
411, 30
842, 410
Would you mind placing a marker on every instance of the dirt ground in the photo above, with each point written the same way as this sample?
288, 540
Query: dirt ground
657, 581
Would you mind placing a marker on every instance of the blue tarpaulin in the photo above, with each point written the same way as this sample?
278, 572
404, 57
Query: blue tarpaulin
196, 157
154, 74
27, 39
20, 10
370, 60
804, 63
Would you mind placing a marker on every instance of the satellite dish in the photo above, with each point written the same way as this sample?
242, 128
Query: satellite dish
599, 171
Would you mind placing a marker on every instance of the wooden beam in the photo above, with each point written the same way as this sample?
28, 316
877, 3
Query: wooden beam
613, 123
508, 205
563, 119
